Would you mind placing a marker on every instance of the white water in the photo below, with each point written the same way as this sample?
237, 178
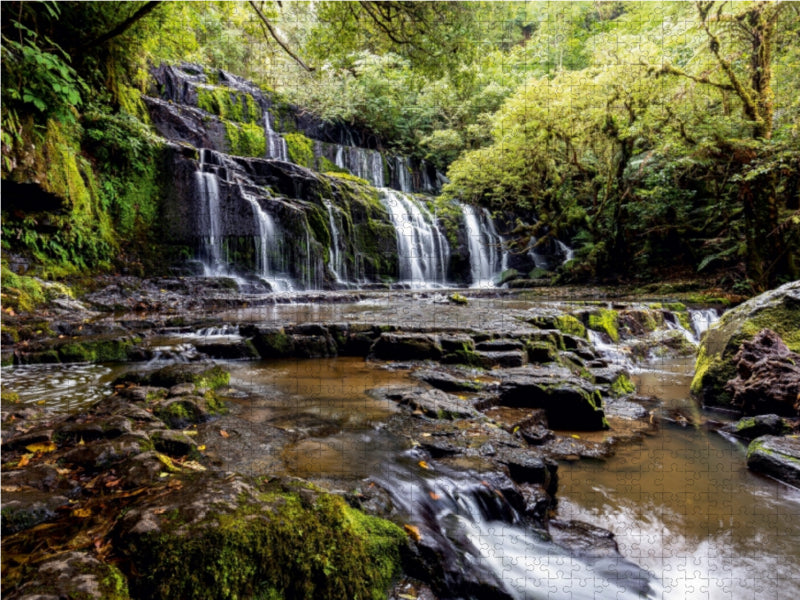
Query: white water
361, 162
211, 243
422, 250
336, 260
276, 145
269, 242
486, 260
403, 174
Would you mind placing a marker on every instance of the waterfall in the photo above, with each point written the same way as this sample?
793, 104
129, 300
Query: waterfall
402, 175
211, 243
569, 254
276, 145
702, 319
486, 261
335, 254
268, 243
422, 250
361, 162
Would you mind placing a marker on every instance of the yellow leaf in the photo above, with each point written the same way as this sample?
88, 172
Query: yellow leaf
189, 432
202, 447
23, 462
42, 402
82, 513
423, 464
413, 532
576, 436
41, 447
224, 433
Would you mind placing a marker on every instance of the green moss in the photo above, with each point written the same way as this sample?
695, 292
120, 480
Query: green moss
229, 104
622, 385
330, 168
246, 139
7, 397
213, 378
289, 546
571, 325
21, 293
457, 298
346, 176
301, 149
605, 320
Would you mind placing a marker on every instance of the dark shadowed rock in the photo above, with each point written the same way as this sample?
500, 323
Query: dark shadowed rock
447, 382
749, 428
406, 346
75, 575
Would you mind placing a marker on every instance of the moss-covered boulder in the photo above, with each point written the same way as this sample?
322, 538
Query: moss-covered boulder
226, 537
778, 310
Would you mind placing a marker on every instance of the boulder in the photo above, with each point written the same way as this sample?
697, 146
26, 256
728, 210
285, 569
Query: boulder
767, 377
570, 403
447, 382
749, 428
778, 310
433, 403
778, 457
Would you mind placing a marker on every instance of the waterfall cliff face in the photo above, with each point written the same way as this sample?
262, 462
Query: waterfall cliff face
245, 209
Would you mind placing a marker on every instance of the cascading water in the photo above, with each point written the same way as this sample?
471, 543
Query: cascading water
211, 243
402, 175
335, 252
486, 259
276, 145
486, 548
267, 244
423, 252
361, 162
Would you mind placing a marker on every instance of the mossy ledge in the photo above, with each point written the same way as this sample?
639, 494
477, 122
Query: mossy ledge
281, 540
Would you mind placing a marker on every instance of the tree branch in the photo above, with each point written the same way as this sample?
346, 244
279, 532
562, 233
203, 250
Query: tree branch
122, 27
276, 37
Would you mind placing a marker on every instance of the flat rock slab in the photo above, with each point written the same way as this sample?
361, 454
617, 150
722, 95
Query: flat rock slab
433, 403
778, 457
447, 382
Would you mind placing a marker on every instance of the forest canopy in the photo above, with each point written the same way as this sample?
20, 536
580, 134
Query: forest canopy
654, 138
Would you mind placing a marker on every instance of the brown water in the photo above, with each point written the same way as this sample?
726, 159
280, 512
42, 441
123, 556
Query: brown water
327, 400
684, 506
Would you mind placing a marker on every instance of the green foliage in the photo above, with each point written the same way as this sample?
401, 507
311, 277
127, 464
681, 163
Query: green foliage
605, 320
301, 149
229, 104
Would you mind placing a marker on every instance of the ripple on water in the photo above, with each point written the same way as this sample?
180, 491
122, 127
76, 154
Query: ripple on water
59, 388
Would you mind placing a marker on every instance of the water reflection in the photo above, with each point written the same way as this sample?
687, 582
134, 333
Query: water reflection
684, 506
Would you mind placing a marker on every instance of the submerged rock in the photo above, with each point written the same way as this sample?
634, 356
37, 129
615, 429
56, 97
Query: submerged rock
750, 428
778, 457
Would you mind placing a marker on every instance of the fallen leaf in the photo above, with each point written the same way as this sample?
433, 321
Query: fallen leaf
224, 433
576, 436
41, 447
82, 513
189, 432
434, 496
160, 511
24, 460
202, 447
423, 464
413, 532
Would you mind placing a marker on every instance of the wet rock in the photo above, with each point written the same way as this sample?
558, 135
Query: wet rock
180, 412
18, 442
440, 447
233, 350
173, 443
570, 403
447, 382
104, 454
537, 502
778, 310
527, 467
767, 376
433, 403
749, 428
270, 342
75, 575
536, 434
584, 539
541, 352
313, 346
182, 389
141, 470
406, 346
453, 342
505, 359
778, 457
27, 508
501, 345
42, 477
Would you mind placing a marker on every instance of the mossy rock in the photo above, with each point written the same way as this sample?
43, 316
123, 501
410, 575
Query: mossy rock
569, 324
201, 375
778, 309
622, 385
286, 541
606, 321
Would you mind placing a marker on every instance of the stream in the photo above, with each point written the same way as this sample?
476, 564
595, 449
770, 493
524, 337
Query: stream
689, 518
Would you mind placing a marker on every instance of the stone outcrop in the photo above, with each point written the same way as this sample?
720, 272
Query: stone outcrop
767, 377
778, 310
778, 457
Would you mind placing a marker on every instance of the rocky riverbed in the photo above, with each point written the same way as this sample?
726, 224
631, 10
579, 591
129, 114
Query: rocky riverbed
178, 465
